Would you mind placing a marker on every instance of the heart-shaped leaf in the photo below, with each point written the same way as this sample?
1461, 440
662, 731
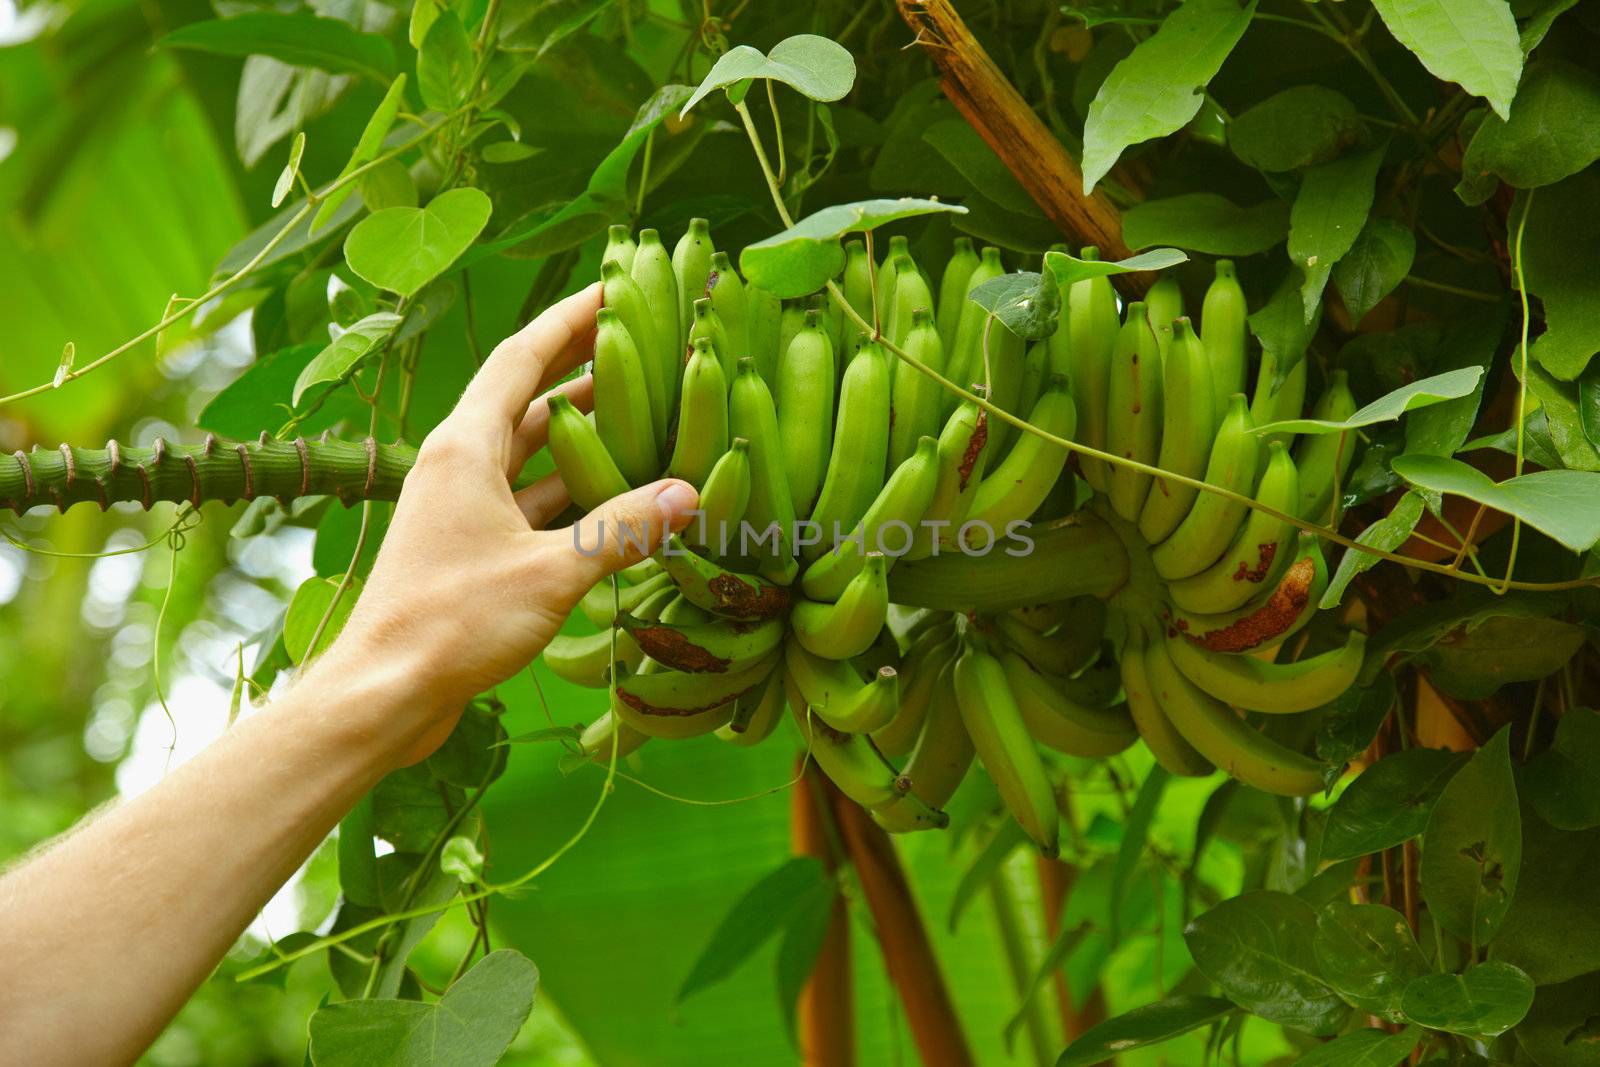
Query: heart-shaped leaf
346, 351
1485, 1002
1026, 302
1440, 387
307, 610
1069, 268
404, 248
812, 66
1472, 848
801, 259
1563, 504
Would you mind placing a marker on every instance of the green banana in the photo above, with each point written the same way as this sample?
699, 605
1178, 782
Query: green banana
888, 279
1218, 732
706, 325
1165, 743
723, 501
1035, 372
849, 626
1001, 739
1064, 651
702, 435
681, 611
915, 397
953, 285
856, 285
600, 604
804, 393
771, 509
1133, 410
901, 503
691, 263
1208, 528
925, 661
960, 456
765, 325
1058, 346
1163, 304
849, 760
726, 291
1324, 458
1188, 424
756, 713
679, 704
1276, 688
1092, 327
619, 246
1257, 555
711, 586
1223, 332
1267, 405
626, 302
652, 272
586, 659
911, 294
608, 735
1001, 358
835, 690
716, 647
586, 467
856, 465
1015, 489
938, 762
622, 415
964, 349
1274, 614
1055, 719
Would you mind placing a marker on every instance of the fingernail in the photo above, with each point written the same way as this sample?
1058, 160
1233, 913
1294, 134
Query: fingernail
675, 500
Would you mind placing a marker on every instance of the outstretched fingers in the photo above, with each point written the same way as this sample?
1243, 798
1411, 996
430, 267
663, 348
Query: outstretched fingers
519, 367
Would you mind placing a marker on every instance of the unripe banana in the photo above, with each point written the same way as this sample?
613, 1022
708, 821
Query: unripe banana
586, 468
1204, 533
771, 510
717, 647
1267, 405
1223, 332
835, 691
587, 659
1324, 458
1164, 304
1000, 736
1035, 372
849, 760
619, 246
856, 284
888, 279
923, 665
938, 762
1274, 615
1276, 688
1133, 411
1217, 732
960, 457
963, 356
677, 705
1092, 326
916, 396
953, 286
601, 603
691, 263
1188, 424
804, 394
706, 325
702, 436
756, 713
622, 415
652, 271
911, 294
1016, 488
681, 611
1064, 651
847, 627
607, 736
1055, 719
766, 323
1001, 355
1058, 345
627, 303
728, 301
1175, 755
1257, 556
709, 585
723, 501
887, 527
856, 466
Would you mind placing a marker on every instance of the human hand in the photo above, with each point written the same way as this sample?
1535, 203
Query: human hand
469, 585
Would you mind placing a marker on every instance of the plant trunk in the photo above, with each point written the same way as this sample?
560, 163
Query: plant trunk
826, 1012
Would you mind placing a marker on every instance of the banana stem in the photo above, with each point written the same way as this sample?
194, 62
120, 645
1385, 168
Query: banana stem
826, 1013
214, 470
1056, 878
907, 953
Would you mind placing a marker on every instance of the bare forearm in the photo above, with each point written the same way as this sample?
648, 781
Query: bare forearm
123, 919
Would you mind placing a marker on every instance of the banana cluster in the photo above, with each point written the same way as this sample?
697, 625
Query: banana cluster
823, 459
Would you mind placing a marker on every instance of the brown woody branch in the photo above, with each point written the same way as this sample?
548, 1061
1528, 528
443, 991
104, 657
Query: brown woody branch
826, 1012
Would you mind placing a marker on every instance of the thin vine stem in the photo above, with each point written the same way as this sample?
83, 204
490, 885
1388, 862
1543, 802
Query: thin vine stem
1522, 380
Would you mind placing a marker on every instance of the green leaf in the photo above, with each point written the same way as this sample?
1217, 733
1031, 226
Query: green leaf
1069, 268
1367, 954
1299, 127
1329, 212
1563, 504
1470, 42
1157, 88
301, 40
1553, 132
404, 248
472, 1025
1562, 406
1547, 933
1282, 326
445, 63
1385, 534
1150, 1024
802, 259
812, 66
1258, 948
423, 12
1055, 957
410, 810
803, 937
1378, 261
1388, 803
537, 28
387, 185
460, 857
1539, 24
965, 149
1361, 1048
1563, 782
1006, 839
1562, 1029
1557, 253
1469, 339
358, 864
471, 757
1487, 1001
1447, 386
367, 148
285, 182
1206, 222
1472, 848
343, 354
766, 908
1134, 834
1025, 302
311, 602
1352, 720
1498, 651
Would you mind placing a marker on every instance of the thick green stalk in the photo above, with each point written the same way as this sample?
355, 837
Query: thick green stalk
215, 470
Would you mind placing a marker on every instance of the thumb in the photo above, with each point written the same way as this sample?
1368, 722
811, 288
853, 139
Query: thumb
626, 528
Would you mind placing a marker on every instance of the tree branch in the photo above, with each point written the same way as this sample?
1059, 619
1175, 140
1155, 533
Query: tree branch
826, 1012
